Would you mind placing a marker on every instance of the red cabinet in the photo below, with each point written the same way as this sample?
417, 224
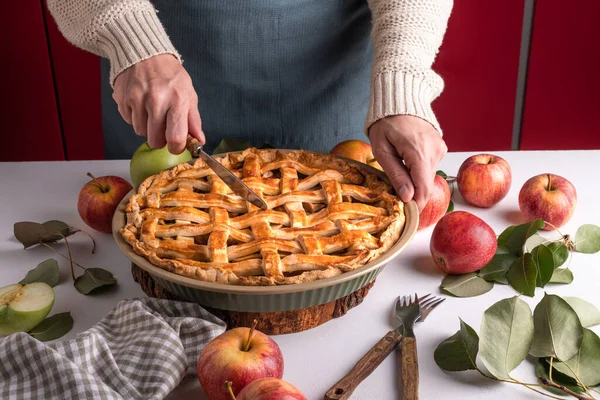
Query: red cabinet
30, 122
563, 84
479, 62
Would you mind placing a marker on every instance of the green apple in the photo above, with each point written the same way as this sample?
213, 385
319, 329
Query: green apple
147, 161
23, 307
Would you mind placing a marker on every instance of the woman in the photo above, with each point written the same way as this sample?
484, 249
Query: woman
291, 73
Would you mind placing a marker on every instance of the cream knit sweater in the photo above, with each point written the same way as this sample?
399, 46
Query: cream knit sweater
406, 36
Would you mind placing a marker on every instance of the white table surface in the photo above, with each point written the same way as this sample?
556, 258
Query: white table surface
317, 358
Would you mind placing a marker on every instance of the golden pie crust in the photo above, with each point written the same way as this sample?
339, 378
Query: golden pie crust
325, 217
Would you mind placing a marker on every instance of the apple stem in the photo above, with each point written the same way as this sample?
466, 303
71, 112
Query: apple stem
247, 345
102, 188
229, 390
549, 187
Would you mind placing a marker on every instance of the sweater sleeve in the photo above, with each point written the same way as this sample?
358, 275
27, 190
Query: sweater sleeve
406, 35
124, 31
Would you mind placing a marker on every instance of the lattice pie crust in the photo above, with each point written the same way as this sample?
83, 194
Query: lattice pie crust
325, 217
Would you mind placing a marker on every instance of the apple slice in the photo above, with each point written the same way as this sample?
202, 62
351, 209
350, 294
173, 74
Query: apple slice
23, 307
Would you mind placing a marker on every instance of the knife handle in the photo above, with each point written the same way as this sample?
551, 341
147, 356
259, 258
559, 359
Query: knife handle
410, 369
193, 145
363, 368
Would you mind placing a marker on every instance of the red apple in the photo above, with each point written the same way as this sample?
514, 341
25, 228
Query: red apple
99, 199
484, 179
356, 150
462, 243
549, 197
437, 205
240, 355
268, 389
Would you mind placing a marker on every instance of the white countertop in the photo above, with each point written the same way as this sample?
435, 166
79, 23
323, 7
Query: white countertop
317, 358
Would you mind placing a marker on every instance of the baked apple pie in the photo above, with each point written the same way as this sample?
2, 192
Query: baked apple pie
325, 217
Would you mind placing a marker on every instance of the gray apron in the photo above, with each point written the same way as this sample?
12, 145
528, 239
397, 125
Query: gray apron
292, 74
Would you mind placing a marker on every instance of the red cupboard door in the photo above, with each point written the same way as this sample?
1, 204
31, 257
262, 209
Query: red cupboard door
77, 77
562, 105
479, 62
29, 114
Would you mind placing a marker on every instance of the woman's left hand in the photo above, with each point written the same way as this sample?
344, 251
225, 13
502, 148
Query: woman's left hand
409, 150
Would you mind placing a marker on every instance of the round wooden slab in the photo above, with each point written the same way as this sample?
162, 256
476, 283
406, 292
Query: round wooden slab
271, 323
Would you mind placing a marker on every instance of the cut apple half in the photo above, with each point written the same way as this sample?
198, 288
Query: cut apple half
23, 307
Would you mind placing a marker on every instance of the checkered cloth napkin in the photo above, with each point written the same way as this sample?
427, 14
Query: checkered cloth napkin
140, 350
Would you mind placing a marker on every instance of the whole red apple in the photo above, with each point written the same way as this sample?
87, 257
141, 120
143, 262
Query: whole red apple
549, 197
269, 389
356, 150
239, 355
437, 205
462, 243
484, 179
99, 199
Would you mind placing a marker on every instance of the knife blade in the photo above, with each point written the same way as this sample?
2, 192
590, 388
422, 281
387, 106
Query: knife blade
235, 184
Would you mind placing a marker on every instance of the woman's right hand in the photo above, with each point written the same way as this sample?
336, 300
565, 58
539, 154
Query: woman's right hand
157, 97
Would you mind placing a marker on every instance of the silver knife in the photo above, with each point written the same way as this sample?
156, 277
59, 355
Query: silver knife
237, 186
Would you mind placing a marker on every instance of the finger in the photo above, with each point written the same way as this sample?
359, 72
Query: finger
156, 130
395, 169
422, 178
176, 129
195, 125
125, 112
140, 122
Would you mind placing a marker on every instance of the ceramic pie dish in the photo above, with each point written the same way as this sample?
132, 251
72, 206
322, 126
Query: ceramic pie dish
245, 295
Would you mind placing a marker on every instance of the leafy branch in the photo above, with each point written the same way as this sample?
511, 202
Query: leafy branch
556, 334
32, 233
525, 260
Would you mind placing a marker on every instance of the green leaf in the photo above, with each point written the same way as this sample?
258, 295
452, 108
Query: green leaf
506, 336
588, 313
522, 275
496, 269
467, 285
586, 362
542, 369
229, 145
53, 327
441, 173
587, 239
562, 275
560, 253
450, 207
459, 351
514, 239
46, 271
92, 279
557, 330
57, 230
29, 233
543, 260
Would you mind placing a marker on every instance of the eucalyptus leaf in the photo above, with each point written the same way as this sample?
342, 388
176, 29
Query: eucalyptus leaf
57, 230
586, 363
229, 145
542, 369
543, 260
588, 313
29, 233
557, 330
441, 173
562, 275
506, 336
53, 327
47, 271
522, 275
534, 241
514, 239
459, 351
94, 278
466, 285
450, 207
587, 239
496, 269
560, 253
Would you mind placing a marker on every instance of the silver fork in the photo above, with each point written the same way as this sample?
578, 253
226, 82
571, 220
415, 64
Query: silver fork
428, 303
